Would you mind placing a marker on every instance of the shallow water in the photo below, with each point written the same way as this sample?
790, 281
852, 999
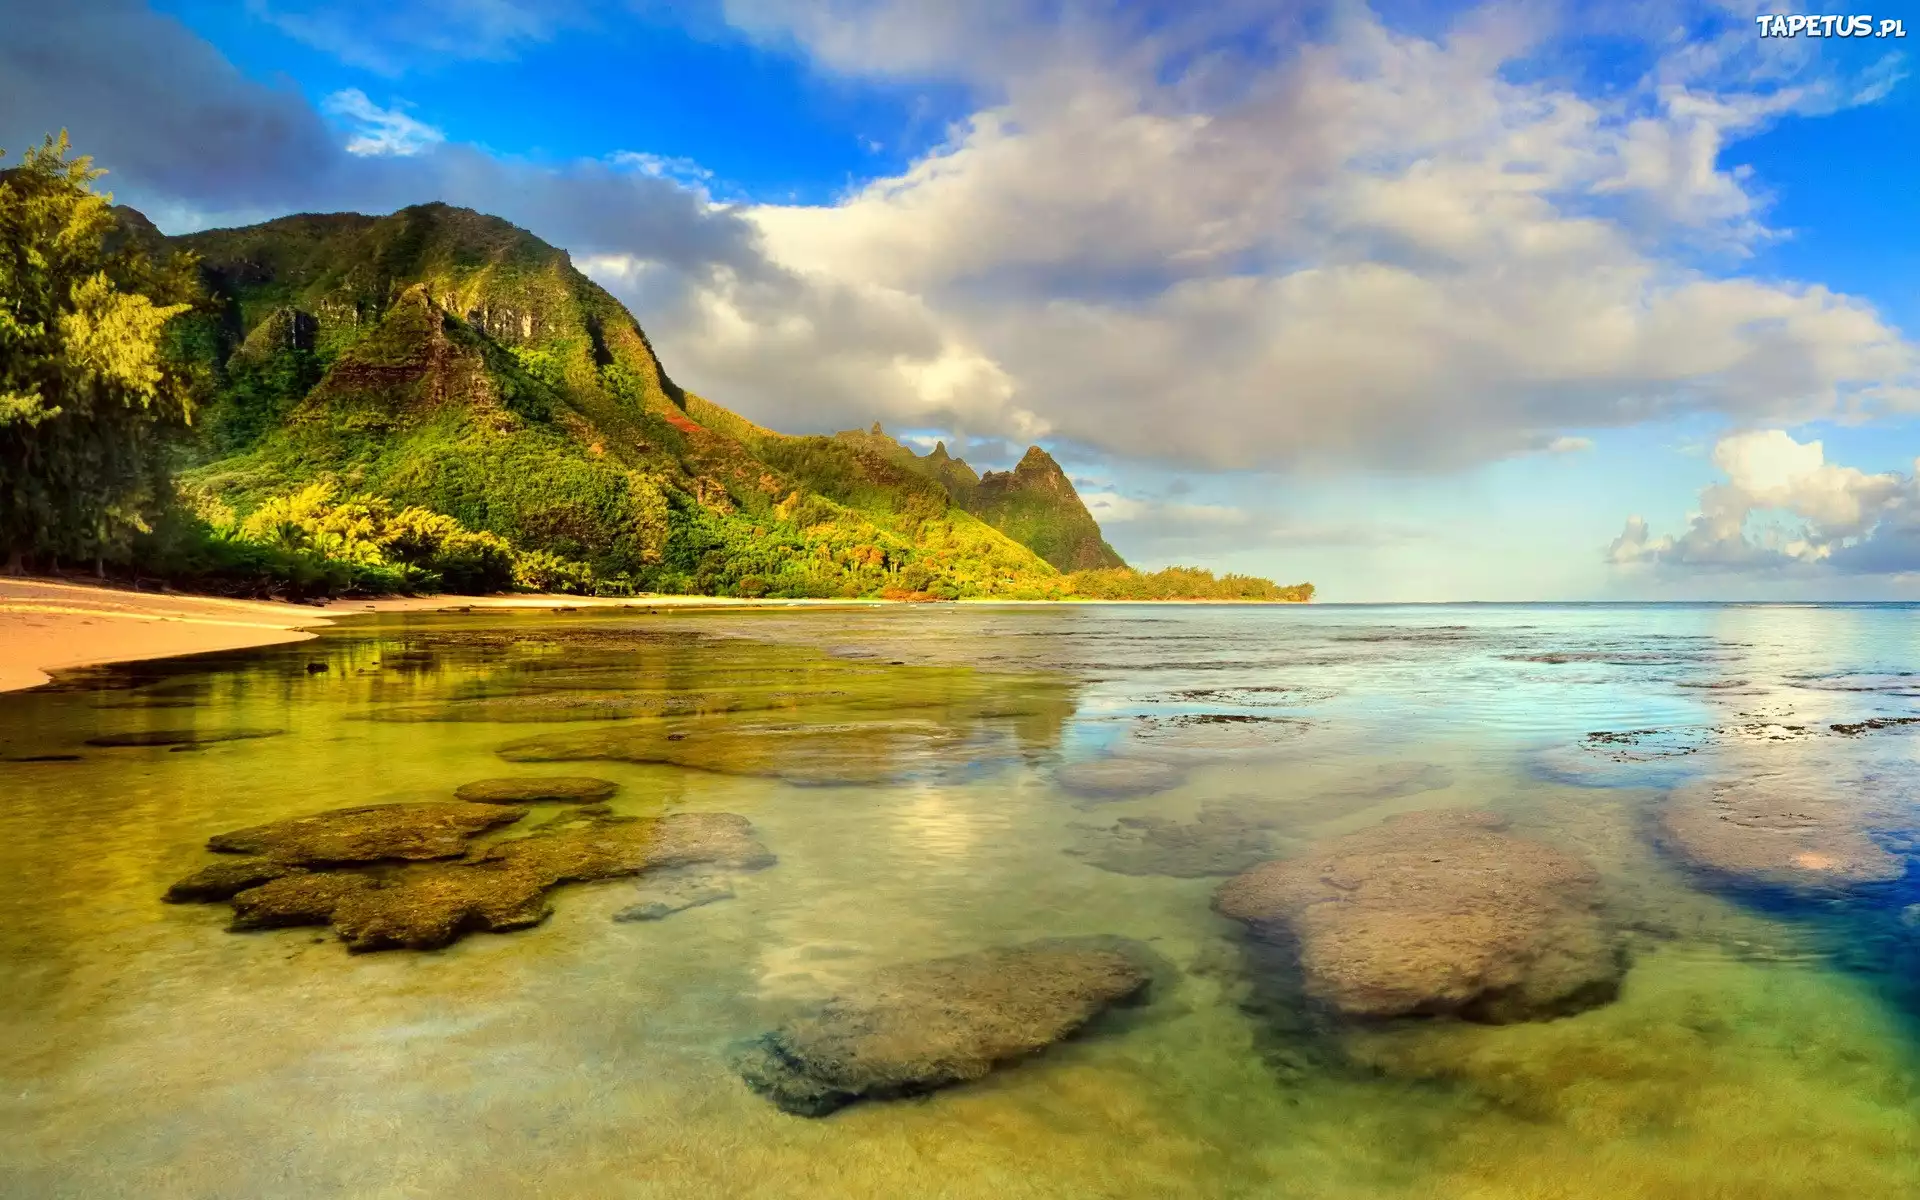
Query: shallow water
909, 768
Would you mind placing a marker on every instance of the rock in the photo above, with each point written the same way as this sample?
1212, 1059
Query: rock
859, 752
1388, 780
610, 847
220, 880
180, 737
427, 905
1799, 830
921, 1026
1104, 779
1435, 912
662, 896
1201, 737
565, 789
1221, 841
301, 898
436, 829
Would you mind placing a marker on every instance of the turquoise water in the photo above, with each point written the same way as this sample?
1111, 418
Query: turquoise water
1763, 1044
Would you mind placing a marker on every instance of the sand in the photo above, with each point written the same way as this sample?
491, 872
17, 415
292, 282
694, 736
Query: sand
48, 626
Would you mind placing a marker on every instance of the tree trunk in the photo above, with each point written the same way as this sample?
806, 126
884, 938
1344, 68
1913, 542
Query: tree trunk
100, 567
15, 564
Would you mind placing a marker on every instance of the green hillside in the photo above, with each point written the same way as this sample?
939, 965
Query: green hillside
438, 399
444, 359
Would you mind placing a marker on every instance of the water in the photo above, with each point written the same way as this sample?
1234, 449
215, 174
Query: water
1763, 1045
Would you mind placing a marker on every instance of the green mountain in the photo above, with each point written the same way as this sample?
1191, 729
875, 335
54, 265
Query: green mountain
368, 378
1034, 504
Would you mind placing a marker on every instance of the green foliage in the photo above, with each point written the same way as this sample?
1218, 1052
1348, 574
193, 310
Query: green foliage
423, 549
1181, 583
87, 396
544, 571
857, 478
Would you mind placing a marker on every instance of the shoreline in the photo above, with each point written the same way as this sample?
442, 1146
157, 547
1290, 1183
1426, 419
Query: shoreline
49, 625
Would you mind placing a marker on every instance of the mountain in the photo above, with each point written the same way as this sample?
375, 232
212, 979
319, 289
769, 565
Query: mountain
441, 361
1034, 504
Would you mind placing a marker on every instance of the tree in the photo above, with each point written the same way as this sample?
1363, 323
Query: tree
88, 395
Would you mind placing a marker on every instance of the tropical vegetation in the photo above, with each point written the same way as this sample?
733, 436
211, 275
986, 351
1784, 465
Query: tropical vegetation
437, 400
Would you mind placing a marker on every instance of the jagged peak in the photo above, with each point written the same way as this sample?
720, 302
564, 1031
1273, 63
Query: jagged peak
1036, 459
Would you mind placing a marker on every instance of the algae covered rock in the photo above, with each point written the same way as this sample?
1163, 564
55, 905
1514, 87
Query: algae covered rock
1798, 830
852, 752
374, 832
386, 904
610, 847
220, 880
426, 907
180, 737
300, 898
563, 789
1435, 912
920, 1026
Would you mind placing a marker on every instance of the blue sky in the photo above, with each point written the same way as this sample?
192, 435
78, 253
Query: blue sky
1420, 301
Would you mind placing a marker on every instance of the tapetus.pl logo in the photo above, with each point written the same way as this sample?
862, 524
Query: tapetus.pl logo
1774, 25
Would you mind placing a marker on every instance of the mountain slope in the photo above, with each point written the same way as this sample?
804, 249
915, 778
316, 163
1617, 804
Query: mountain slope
441, 358
1034, 504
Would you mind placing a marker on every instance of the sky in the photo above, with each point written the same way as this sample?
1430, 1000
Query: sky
1418, 301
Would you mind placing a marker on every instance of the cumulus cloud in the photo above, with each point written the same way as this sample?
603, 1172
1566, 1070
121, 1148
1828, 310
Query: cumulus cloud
1784, 507
1569, 445
380, 131
183, 132
1201, 234
1366, 245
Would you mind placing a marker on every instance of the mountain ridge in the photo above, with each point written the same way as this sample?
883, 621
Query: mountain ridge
444, 359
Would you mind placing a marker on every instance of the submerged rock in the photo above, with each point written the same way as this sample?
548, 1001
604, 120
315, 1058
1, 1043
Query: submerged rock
921, 1026
565, 789
559, 708
427, 905
180, 737
437, 829
1802, 831
1203, 736
1436, 912
663, 895
1222, 840
859, 752
1118, 778
299, 898
220, 880
610, 847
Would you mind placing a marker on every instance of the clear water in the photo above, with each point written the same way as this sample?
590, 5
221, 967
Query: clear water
1760, 1048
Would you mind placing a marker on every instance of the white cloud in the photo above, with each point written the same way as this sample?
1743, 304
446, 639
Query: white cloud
683, 171
1376, 247
1827, 516
1569, 445
380, 132
1115, 507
